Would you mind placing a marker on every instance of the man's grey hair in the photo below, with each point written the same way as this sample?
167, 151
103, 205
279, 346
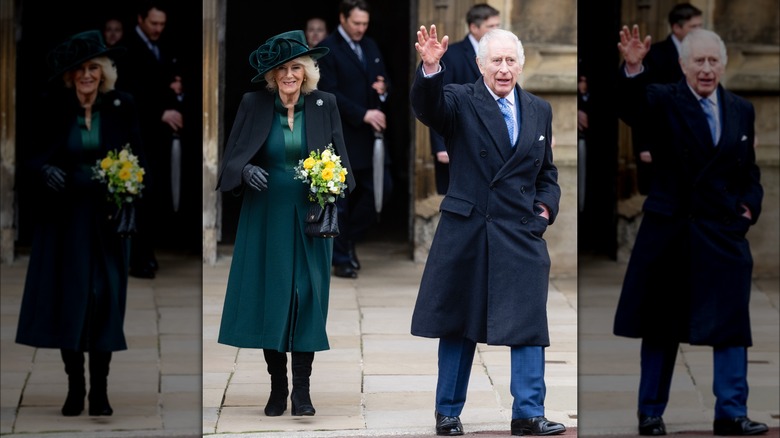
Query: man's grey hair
696, 36
499, 34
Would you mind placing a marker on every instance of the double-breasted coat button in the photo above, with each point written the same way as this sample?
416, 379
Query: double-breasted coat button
524, 220
522, 189
537, 163
489, 218
483, 153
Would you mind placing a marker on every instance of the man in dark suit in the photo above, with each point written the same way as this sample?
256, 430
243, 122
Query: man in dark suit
689, 276
461, 62
355, 72
662, 65
486, 278
150, 72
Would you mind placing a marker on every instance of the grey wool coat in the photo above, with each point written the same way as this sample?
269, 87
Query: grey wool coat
486, 276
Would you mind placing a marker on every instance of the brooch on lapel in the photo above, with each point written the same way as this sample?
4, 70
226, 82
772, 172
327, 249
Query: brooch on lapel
319, 102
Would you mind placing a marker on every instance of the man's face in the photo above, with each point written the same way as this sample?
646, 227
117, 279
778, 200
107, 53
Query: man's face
315, 31
491, 23
703, 67
501, 68
153, 25
356, 24
681, 30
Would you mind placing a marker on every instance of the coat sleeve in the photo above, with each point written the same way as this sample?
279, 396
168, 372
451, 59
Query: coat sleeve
230, 173
547, 189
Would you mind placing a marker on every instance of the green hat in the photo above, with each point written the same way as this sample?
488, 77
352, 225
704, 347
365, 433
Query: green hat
282, 48
78, 49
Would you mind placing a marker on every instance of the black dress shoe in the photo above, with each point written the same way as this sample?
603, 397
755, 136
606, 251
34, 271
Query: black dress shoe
142, 272
353, 260
344, 271
738, 426
653, 426
448, 426
536, 426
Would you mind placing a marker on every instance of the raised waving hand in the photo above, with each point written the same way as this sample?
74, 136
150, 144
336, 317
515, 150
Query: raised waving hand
633, 48
430, 48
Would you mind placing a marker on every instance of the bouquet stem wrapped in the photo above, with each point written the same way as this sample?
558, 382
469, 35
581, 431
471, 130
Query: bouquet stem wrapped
123, 177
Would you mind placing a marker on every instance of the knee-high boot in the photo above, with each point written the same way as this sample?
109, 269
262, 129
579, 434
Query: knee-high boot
74, 368
277, 368
98, 383
301, 371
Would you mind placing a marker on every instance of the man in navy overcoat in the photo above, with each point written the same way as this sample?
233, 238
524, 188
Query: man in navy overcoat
487, 272
689, 275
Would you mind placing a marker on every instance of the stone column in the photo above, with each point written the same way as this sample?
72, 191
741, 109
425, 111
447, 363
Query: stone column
213, 66
7, 131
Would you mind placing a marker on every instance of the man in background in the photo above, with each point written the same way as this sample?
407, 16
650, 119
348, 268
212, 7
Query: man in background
151, 72
355, 72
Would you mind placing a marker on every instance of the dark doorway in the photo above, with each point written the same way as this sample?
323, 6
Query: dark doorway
596, 46
43, 25
249, 24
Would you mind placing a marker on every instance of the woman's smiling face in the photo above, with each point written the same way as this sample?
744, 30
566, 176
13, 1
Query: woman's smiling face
289, 77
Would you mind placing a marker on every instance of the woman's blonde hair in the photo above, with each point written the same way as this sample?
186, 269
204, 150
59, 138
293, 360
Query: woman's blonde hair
108, 76
311, 76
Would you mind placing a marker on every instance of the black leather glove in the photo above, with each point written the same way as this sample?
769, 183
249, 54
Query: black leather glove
54, 177
255, 177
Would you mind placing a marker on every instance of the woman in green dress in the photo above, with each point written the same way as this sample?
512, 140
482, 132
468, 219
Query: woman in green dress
76, 286
279, 281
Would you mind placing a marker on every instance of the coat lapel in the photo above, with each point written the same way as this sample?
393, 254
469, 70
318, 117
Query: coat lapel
490, 115
315, 122
691, 112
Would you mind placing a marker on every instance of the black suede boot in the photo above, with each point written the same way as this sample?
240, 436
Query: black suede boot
301, 371
277, 368
98, 383
74, 367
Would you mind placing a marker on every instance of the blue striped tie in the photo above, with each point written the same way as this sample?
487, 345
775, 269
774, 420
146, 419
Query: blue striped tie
709, 111
506, 111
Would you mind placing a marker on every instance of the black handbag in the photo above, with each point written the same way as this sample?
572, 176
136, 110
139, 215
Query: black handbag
322, 221
125, 219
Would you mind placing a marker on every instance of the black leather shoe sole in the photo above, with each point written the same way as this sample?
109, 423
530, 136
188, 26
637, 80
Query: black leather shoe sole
448, 426
740, 426
651, 426
344, 271
538, 426
142, 273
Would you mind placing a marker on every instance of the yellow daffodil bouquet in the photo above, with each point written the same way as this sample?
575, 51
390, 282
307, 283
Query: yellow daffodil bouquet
123, 176
324, 174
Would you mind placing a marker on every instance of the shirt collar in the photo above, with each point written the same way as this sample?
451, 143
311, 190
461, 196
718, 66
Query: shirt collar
713, 97
676, 42
349, 40
474, 43
509, 98
143, 36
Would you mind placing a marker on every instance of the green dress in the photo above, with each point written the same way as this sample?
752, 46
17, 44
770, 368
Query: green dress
76, 285
279, 281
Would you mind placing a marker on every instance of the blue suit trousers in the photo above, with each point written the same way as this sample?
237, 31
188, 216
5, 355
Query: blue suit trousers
729, 383
527, 387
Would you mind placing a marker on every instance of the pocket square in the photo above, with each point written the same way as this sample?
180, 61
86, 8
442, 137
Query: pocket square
541, 137
744, 137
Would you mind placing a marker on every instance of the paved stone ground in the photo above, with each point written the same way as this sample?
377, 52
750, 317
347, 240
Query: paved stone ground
154, 386
609, 365
377, 379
